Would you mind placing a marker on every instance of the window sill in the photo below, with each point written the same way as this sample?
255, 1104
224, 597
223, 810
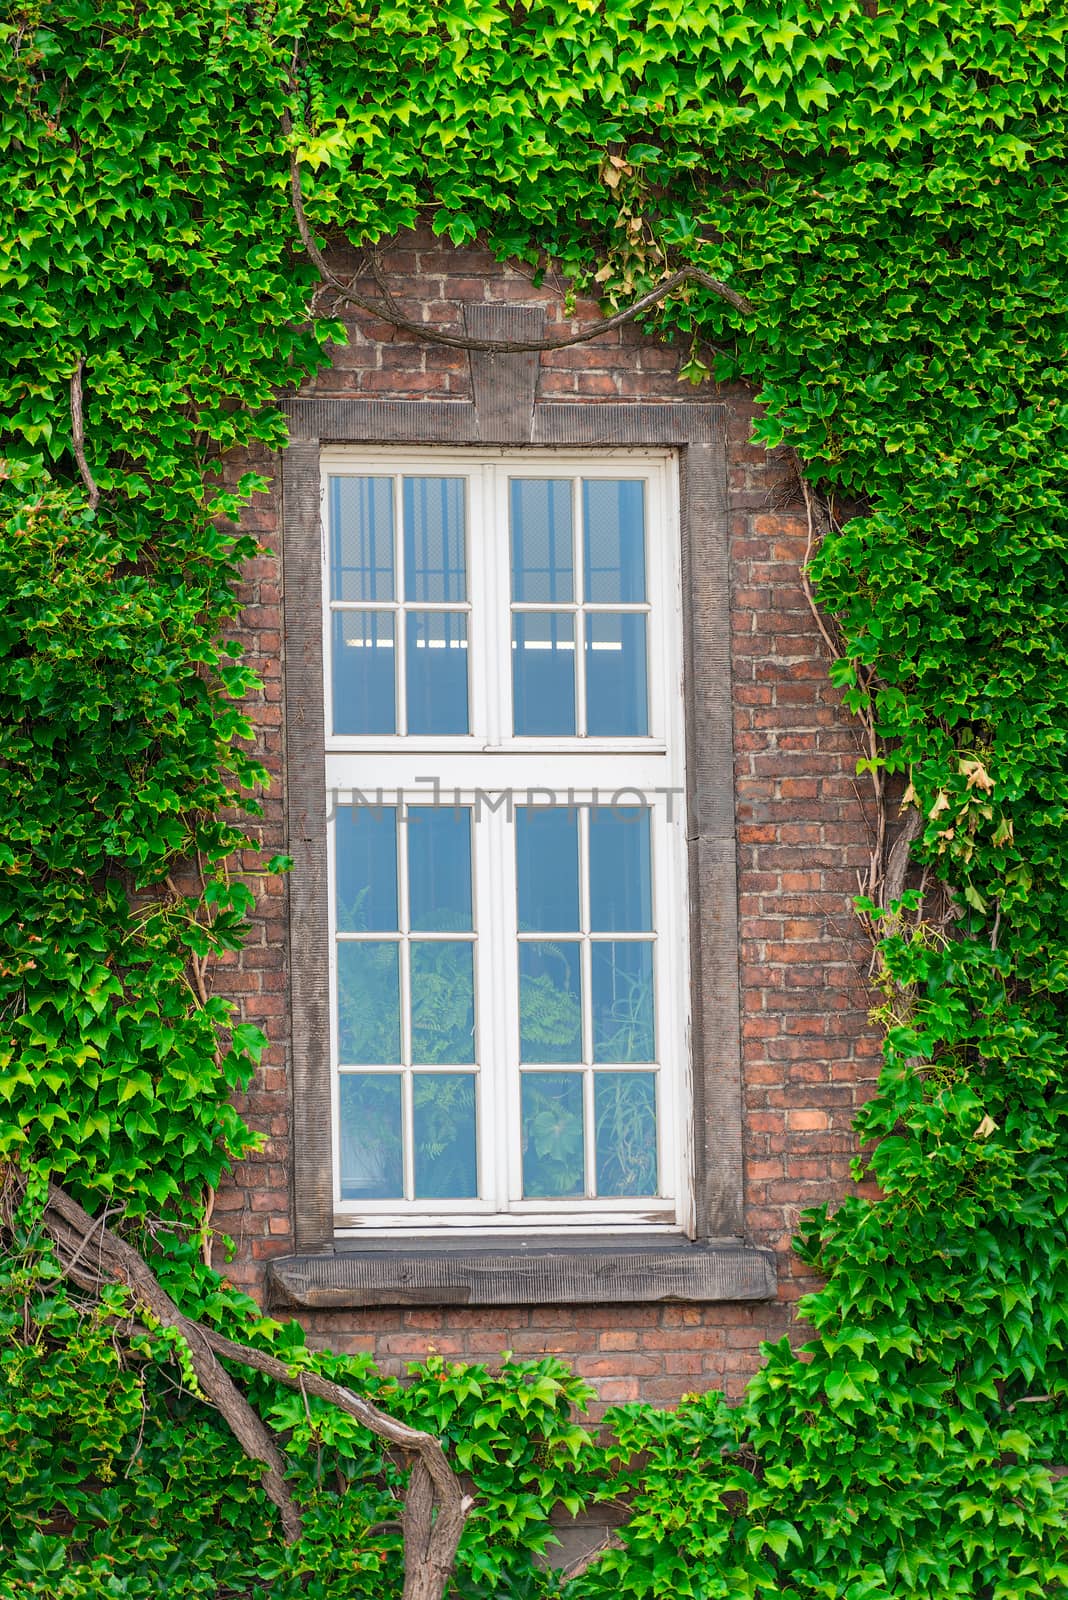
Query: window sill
423, 1272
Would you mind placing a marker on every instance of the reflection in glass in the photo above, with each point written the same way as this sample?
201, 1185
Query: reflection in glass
363, 656
616, 692
550, 1001
443, 1001
614, 520
443, 1118
368, 1002
366, 863
372, 1165
621, 880
361, 538
622, 982
552, 1134
439, 868
437, 671
625, 1132
543, 673
542, 541
547, 865
434, 565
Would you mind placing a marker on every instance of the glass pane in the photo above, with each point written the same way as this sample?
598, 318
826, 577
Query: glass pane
439, 868
437, 672
443, 1001
616, 693
368, 1002
625, 1132
542, 539
621, 879
372, 1164
443, 1115
434, 567
543, 673
613, 515
552, 1133
363, 655
547, 864
366, 867
550, 1001
622, 981
361, 539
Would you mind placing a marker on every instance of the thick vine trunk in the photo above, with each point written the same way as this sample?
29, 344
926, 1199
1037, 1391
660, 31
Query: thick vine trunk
435, 1507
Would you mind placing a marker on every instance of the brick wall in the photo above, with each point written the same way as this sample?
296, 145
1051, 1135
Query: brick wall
809, 1055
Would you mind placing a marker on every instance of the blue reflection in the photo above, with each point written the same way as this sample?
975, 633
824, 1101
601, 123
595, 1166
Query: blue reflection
554, 1157
550, 1001
365, 850
443, 1129
547, 866
368, 1002
439, 868
364, 698
434, 563
617, 693
613, 514
621, 879
436, 665
624, 1114
443, 1002
622, 981
543, 673
361, 538
372, 1162
542, 539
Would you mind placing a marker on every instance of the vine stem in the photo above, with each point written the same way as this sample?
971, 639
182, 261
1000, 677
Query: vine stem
91, 1255
77, 433
387, 311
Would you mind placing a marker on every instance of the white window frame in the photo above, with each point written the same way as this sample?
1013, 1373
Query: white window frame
490, 760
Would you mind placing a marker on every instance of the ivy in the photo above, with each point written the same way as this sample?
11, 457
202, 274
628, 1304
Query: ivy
882, 189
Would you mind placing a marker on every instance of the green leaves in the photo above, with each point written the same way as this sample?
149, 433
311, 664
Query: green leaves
888, 190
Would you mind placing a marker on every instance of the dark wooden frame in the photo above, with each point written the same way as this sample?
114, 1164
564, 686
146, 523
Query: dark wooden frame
717, 1264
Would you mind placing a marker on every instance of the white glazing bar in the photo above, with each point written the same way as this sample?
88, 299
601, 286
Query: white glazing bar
400, 626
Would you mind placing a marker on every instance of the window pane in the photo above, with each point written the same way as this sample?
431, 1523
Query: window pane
547, 863
616, 693
613, 514
368, 1002
437, 672
366, 866
364, 696
434, 566
552, 1135
443, 1001
361, 539
443, 1114
439, 868
621, 879
625, 1132
543, 673
622, 981
372, 1166
550, 1001
542, 539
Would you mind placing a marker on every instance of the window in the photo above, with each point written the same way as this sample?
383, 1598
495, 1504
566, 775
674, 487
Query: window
507, 858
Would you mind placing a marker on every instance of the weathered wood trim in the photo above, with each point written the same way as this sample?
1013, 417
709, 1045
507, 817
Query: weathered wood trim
504, 384
557, 1274
305, 747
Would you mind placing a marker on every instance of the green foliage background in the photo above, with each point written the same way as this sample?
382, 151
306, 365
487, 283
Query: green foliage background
886, 185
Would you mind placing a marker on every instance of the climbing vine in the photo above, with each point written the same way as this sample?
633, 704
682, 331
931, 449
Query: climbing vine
856, 206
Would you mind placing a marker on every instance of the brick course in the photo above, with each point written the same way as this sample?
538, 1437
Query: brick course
809, 1054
